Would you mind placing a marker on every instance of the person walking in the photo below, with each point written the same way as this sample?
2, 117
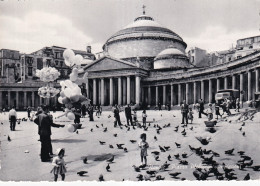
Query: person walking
217, 110
29, 112
45, 122
159, 106
12, 118
201, 108
90, 113
144, 115
59, 165
184, 112
83, 110
237, 105
117, 116
128, 115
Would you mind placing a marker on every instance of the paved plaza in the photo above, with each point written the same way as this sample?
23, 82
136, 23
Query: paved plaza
20, 159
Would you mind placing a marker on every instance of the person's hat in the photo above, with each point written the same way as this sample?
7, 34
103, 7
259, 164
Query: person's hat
59, 150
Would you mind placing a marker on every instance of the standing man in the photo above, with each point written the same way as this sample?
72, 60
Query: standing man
159, 106
128, 115
184, 112
45, 122
12, 118
117, 117
201, 108
29, 112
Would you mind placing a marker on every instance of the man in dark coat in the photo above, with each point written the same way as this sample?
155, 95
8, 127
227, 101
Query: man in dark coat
184, 112
201, 109
45, 122
29, 112
159, 106
128, 114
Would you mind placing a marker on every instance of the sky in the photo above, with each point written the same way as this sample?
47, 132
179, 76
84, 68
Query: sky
213, 25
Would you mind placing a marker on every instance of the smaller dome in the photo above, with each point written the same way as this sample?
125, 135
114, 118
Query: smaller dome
171, 58
169, 53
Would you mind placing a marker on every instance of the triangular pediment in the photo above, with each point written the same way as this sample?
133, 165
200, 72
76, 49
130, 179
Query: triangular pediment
108, 63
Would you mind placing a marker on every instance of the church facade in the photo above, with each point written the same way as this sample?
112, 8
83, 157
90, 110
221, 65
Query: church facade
146, 63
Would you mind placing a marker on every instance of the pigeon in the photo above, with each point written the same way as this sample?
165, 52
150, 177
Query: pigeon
155, 138
102, 142
162, 149
256, 167
173, 115
215, 154
128, 129
137, 169
244, 133
184, 134
184, 155
8, 138
109, 116
191, 148
105, 130
119, 146
200, 175
151, 172
102, 125
247, 177
111, 159
108, 167
101, 177
145, 128
85, 160
77, 132
81, 173
97, 126
229, 151
155, 153
203, 141
159, 177
133, 141
241, 153
183, 131
249, 164
149, 124
125, 149
140, 177
91, 130
158, 131
183, 162
176, 130
177, 156
142, 166
174, 174
111, 146
164, 166
115, 135
191, 128
240, 129
178, 145
134, 127
157, 158
169, 158
243, 124
1, 123
166, 147
246, 157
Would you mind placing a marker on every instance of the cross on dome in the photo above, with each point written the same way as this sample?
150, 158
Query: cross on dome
144, 9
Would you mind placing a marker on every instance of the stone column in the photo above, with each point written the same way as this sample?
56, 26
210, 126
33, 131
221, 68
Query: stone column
25, 99
102, 92
225, 82
210, 90
172, 95
218, 84
179, 94
128, 89
156, 96
9, 98
94, 91
87, 87
249, 85
33, 99
257, 80
99, 91
137, 89
234, 82
241, 86
194, 92
164, 95
149, 96
202, 90
187, 93
119, 91
1, 99
111, 91
40, 100
124, 91
17, 99
55, 100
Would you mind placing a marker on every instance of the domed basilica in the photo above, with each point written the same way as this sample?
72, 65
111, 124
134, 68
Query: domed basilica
146, 63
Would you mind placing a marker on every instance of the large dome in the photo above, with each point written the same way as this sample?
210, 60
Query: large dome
144, 38
171, 58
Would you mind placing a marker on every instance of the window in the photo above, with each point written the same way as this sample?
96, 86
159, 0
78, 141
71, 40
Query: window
56, 63
39, 63
30, 71
61, 63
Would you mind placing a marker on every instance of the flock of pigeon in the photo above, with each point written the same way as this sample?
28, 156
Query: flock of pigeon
213, 168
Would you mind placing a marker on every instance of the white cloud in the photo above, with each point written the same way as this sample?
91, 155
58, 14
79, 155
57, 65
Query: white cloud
39, 29
217, 38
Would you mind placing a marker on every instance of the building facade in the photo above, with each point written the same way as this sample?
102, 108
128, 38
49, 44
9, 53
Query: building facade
19, 84
146, 63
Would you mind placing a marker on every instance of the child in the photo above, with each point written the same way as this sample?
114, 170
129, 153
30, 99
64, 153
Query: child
190, 115
143, 146
237, 105
210, 112
144, 115
59, 165
135, 116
